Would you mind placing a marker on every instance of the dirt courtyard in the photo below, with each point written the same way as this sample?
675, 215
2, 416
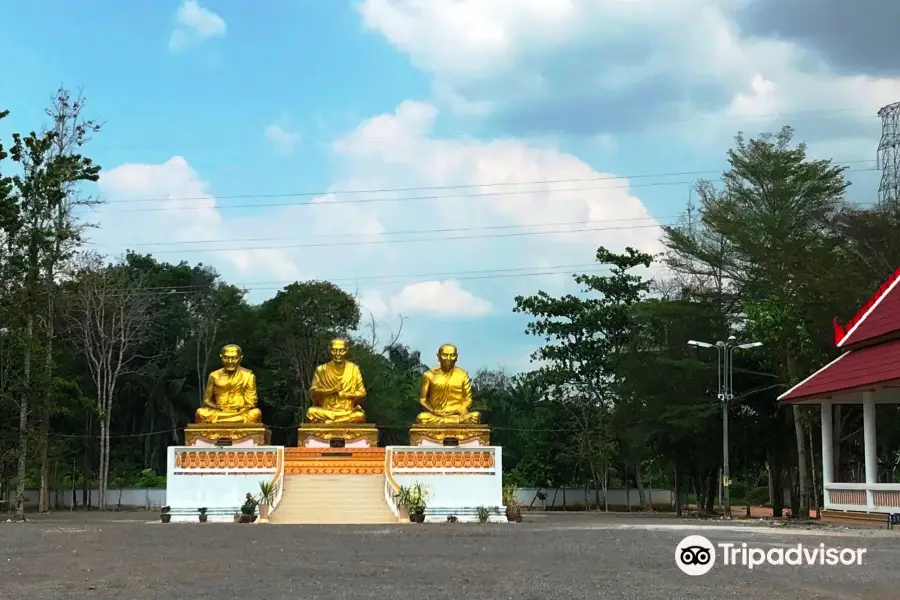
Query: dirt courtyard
133, 556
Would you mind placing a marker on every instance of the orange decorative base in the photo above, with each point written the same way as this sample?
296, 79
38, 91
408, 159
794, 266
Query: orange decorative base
226, 459
334, 461
455, 459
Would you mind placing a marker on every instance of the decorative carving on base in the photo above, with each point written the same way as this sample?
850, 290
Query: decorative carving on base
355, 435
457, 459
434, 435
230, 459
207, 434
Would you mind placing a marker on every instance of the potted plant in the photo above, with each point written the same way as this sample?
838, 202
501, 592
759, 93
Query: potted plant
403, 499
165, 514
513, 506
484, 513
266, 497
248, 509
418, 502
202, 512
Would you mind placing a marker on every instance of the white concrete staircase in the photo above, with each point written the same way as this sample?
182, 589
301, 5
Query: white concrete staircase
332, 500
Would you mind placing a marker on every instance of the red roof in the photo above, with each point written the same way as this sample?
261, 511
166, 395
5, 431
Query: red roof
877, 318
866, 367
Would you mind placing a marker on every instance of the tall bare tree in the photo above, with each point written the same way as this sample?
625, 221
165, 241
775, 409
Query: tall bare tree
70, 131
109, 317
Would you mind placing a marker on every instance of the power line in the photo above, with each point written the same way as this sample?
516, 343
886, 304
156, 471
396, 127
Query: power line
457, 276
218, 207
405, 241
639, 127
308, 194
402, 232
230, 244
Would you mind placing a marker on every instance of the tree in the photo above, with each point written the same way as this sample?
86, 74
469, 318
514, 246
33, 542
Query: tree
586, 340
70, 131
109, 319
34, 234
776, 216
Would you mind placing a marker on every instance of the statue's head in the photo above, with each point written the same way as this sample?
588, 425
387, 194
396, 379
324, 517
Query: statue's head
338, 350
231, 357
447, 355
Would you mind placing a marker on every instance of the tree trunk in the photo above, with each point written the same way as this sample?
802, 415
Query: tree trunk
101, 493
802, 485
106, 438
812, 454
639, 481
21, 471
679, 509
44, 493
87, 464
604, 478
711, 492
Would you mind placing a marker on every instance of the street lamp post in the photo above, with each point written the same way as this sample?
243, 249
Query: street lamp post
725, 352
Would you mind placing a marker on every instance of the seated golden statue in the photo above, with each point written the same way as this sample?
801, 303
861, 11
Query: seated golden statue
337, 390
446, 393
230, 396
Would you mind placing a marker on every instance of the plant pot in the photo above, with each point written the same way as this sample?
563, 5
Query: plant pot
246, 519
237, 517
417, 516
203, 518
513, 514
403, 513
166, 518
264, 512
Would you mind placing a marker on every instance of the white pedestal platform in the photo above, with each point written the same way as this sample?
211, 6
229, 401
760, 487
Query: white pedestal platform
459, 479
217, 479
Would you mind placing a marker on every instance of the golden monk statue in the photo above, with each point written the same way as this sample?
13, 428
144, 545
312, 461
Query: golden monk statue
446, 393
337, 390
230, 395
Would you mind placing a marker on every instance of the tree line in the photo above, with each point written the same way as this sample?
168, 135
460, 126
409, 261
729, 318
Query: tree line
103, 361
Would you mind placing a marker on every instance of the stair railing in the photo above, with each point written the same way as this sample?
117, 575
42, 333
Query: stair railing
390, 486
278, 479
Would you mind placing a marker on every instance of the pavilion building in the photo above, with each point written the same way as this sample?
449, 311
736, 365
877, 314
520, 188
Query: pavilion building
867, 373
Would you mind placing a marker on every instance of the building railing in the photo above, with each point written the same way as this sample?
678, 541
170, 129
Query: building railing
872, 497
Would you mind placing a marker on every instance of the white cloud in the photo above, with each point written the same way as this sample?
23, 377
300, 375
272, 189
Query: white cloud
427, 298
182, 213
282, 140
535, 59
194, 23
414, 255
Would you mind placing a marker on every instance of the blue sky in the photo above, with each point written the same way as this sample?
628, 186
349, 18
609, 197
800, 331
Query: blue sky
234, 130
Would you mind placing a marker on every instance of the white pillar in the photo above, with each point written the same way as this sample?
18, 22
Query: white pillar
869, 444
827, 436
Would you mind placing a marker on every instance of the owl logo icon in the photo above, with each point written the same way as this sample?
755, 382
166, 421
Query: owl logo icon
695, 555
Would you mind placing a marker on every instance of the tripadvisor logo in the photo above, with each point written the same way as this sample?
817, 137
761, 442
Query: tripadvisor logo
696, 555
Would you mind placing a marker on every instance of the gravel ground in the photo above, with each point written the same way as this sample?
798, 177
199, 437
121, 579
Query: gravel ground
120, 555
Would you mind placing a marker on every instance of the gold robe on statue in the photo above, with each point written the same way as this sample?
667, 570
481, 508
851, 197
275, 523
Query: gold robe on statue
446, 398
230, 398
342, 405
